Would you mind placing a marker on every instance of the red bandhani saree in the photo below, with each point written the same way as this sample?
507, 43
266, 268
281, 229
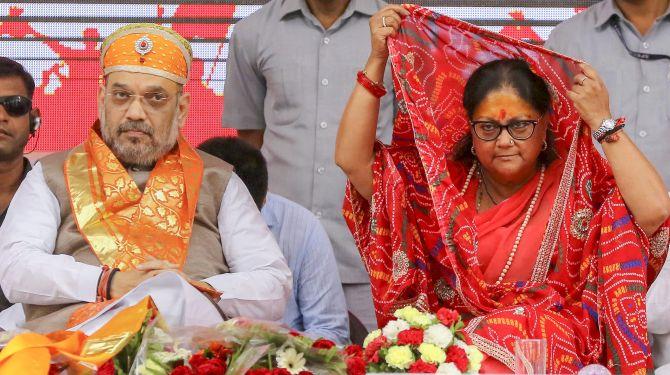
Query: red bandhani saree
587, 263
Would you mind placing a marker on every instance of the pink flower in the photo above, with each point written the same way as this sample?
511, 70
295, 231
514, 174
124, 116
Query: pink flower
421, 367
448, 317
412, 336
213, 366
354, 351
323, 344
355, 366
371, 353
259, 371
181, 370
458, 356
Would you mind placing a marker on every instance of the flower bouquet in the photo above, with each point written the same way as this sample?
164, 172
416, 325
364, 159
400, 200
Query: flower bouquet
236, 347
416, 342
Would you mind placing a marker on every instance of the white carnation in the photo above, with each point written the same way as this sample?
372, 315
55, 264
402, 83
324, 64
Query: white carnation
393, 328
438, 335
448, 368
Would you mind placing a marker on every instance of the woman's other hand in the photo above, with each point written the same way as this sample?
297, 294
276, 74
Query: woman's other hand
383, 24
590, 96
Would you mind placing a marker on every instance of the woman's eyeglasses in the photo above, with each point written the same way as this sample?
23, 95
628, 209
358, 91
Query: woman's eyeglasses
16, 105
490, 130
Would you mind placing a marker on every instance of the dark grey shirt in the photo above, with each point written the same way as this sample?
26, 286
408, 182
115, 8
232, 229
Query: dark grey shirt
26, 167
290, 77
639, 89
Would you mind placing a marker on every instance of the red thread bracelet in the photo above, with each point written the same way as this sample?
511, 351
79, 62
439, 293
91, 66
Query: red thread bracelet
102, 282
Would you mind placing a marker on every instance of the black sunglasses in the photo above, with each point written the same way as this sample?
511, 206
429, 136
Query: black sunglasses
16, 105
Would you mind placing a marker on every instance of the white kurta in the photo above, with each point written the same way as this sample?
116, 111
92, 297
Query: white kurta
257, 286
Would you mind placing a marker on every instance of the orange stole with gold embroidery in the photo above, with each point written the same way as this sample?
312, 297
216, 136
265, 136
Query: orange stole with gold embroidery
124, 226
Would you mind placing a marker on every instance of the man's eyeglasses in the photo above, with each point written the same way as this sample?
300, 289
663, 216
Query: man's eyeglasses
490, 130
16, 105
152, 101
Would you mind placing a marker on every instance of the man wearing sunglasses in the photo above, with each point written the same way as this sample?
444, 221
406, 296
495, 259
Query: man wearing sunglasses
18, 121
135, 211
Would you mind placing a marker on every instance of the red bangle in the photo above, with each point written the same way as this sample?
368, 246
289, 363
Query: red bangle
375, 88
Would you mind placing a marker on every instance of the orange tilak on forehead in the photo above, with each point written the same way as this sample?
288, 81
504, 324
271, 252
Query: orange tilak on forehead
502, 114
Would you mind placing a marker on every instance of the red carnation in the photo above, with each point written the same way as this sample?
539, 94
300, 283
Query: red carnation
107, 368
259, 371
354, 351
181, 370
305, 372
281, 371
448, 317
372, 350
197, 360
355, 366
323, 344
421, 367
412, 336
458, 356
294, 333
213, 366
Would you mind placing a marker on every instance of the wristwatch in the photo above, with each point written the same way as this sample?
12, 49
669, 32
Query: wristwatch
605, 126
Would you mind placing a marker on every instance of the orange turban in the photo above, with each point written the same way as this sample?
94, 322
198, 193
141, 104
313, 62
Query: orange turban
147, 48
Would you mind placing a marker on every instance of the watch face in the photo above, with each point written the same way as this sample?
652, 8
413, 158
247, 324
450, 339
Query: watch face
608, 124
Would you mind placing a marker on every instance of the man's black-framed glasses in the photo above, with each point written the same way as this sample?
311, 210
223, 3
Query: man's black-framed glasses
16, 105
489, 130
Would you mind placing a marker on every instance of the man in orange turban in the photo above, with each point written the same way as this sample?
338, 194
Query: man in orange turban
134, 210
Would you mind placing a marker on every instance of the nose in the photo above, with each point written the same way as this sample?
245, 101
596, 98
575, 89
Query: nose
504, 139
135, 110
4, 116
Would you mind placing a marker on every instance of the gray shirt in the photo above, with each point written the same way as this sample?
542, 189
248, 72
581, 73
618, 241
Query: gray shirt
290, 77
639, 89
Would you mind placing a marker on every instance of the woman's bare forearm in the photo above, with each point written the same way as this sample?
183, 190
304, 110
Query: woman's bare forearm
354, 150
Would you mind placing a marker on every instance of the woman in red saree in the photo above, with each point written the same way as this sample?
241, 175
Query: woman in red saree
493, 200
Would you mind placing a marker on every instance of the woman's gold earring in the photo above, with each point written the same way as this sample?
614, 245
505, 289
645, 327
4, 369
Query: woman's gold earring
472, 149
544, 146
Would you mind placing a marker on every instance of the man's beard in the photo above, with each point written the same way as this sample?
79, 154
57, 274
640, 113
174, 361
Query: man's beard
132, 153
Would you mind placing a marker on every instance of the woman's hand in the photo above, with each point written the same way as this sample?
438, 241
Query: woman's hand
590, 96
383, 24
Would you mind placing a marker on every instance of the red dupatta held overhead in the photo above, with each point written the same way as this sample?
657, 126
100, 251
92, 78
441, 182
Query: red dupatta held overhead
419, 238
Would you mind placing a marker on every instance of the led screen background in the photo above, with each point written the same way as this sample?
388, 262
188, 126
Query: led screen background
58, 42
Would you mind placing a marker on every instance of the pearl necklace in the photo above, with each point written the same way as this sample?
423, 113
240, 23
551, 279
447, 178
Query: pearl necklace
526, 219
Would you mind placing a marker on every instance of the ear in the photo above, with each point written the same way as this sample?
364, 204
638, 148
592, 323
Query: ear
36, 116
183, 105
101, 96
